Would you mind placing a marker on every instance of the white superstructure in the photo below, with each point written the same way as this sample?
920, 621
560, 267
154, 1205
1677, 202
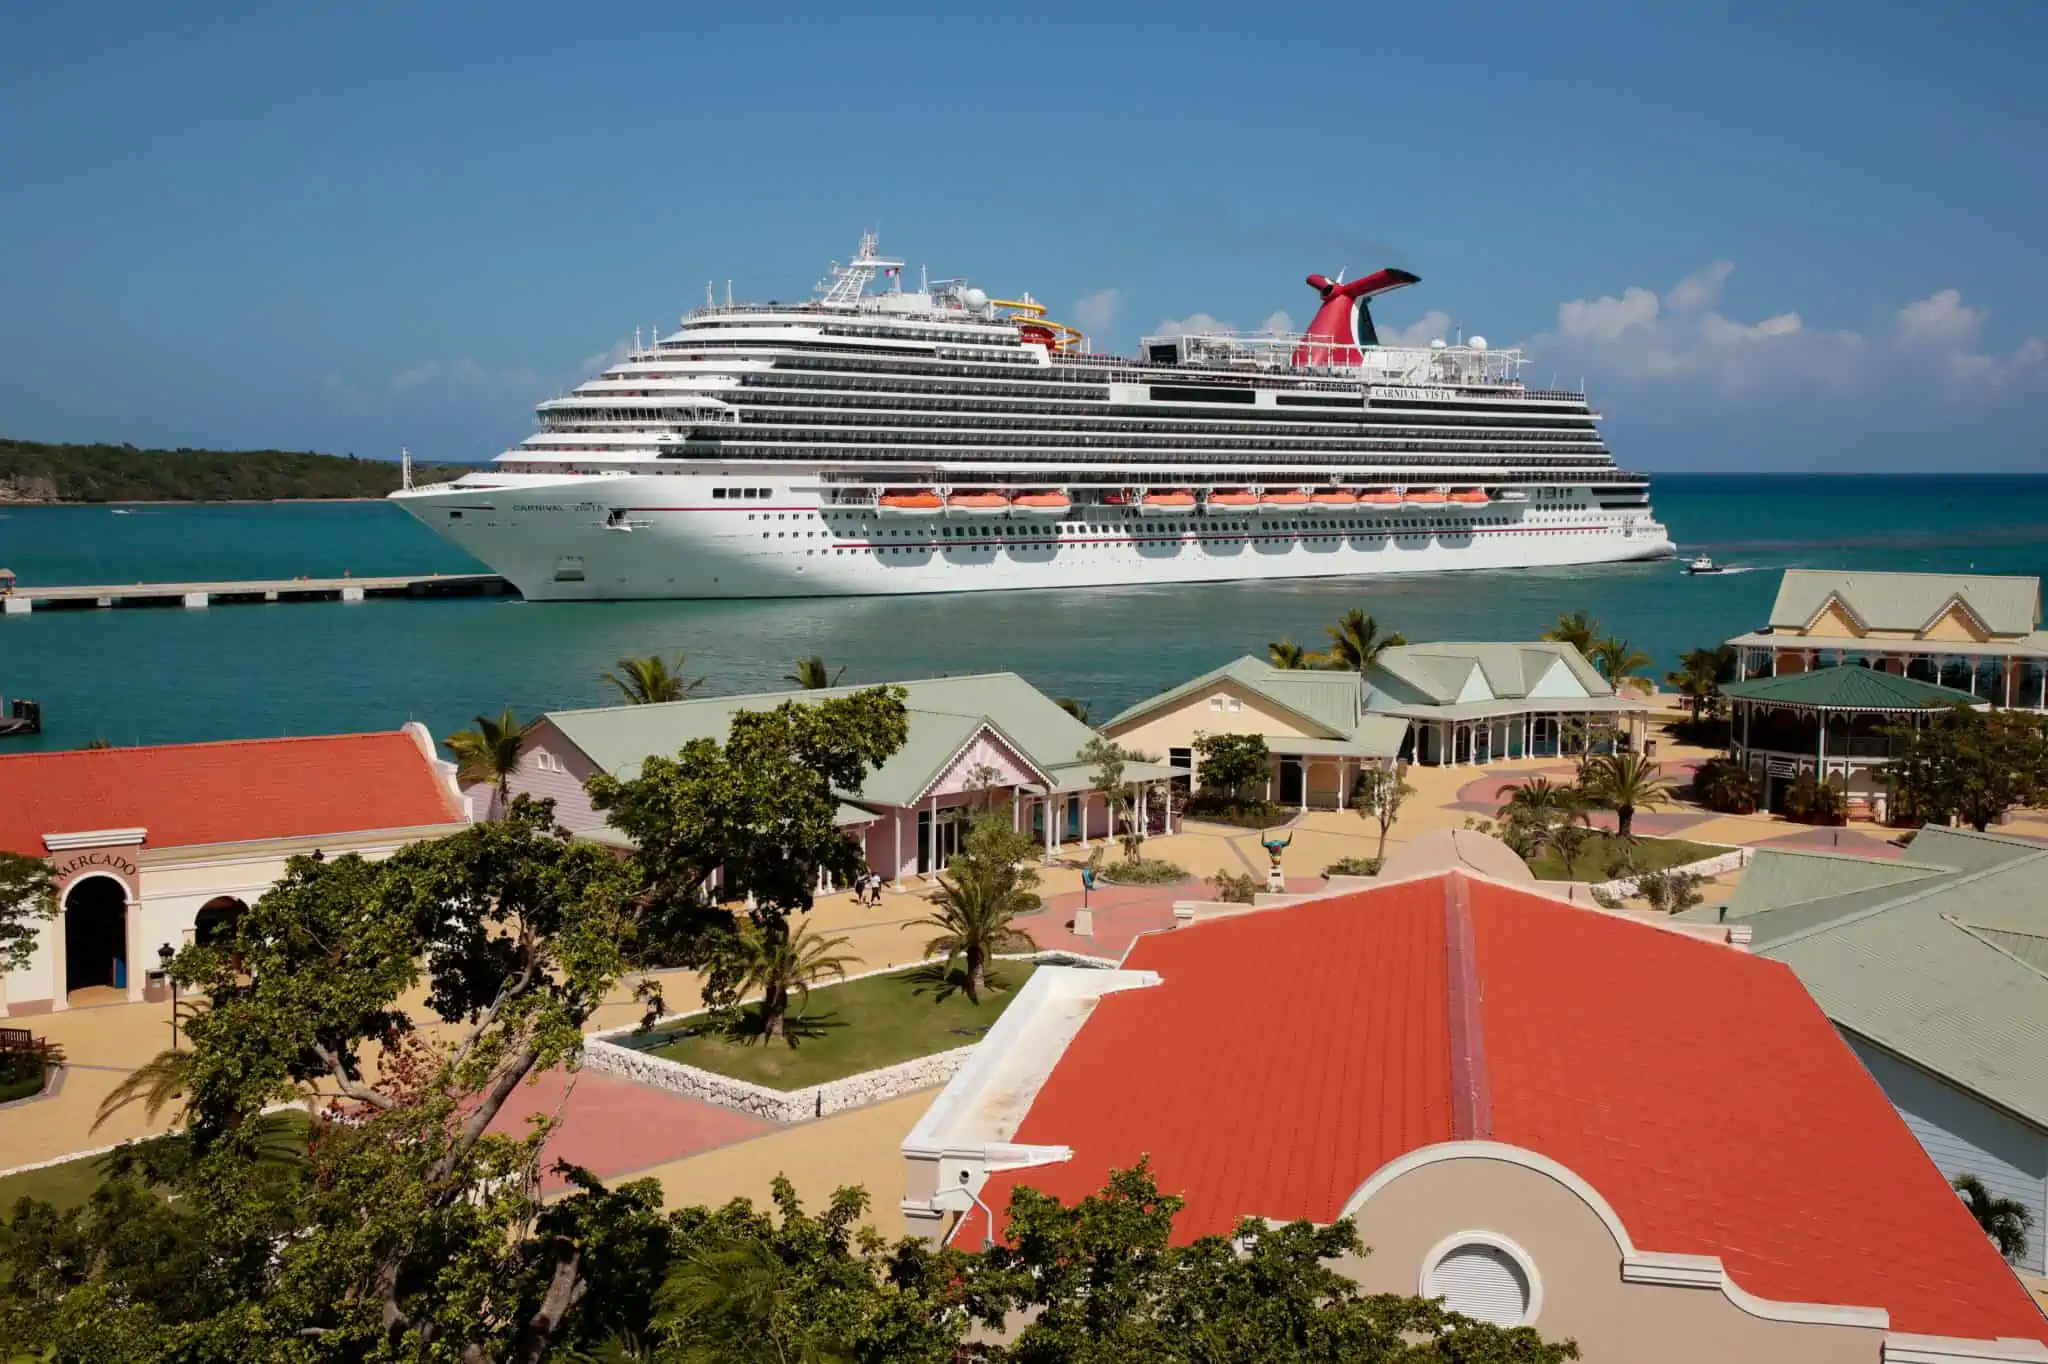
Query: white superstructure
943, 441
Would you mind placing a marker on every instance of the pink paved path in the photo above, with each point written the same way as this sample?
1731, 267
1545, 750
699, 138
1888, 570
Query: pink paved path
614, 1127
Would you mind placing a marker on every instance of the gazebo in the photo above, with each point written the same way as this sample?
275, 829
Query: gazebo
1830, 722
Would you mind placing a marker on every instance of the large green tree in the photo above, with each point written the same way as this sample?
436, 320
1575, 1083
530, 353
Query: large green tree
1623, 783
1227, 763
27, 902
1969, 765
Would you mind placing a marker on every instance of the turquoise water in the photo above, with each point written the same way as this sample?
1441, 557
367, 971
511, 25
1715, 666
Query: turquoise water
161, 675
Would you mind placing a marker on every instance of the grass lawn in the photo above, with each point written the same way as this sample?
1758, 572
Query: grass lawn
70, 1184
862, 1025
1603, 850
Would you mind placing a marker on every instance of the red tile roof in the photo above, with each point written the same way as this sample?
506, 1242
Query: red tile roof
194, 794
1291, 1053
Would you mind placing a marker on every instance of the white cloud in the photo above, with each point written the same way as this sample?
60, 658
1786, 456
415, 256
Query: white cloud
465, 375
1097, 312
1940, 319
1194, 324
1699, 288
1636, 336
597, 362
1281, 321
1429, 327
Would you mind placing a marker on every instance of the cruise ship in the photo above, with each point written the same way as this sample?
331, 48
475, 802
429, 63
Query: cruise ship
879, 439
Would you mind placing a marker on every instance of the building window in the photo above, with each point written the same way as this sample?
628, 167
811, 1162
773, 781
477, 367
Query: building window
1233, 705
1216, 703
1486, 1277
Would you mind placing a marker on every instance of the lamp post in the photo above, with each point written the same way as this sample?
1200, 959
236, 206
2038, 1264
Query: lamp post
163, 956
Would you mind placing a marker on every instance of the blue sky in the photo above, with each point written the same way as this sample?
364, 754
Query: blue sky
1804, 240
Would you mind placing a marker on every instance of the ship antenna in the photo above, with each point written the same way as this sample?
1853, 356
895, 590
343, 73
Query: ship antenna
709, 298
405, 468
728, 293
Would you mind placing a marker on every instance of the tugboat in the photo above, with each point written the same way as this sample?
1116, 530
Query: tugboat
1703, 563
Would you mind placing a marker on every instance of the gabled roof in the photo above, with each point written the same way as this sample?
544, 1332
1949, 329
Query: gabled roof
1452, 1008
1907, 601
944, 714
238, 791
1850, 687
1437, 673
1321, 700
1942, 968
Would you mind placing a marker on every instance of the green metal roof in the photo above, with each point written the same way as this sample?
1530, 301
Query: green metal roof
1848, 688
1322, 699
1778, 878
1943, 969
944, 714
1907, 601
1441, 672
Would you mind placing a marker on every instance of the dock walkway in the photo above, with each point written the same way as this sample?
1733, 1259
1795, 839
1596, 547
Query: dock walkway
23, 598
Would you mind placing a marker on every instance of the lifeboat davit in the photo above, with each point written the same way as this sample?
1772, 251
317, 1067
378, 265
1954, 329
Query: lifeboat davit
1176, 502
1233, 500
1470, 497
1041, 504
915, 502
1427, 497
977, 504
1334, 499
1283, 500
1383, 497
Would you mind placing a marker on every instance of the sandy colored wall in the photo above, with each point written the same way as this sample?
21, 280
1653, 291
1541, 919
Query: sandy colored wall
1578, 1266
1179, 726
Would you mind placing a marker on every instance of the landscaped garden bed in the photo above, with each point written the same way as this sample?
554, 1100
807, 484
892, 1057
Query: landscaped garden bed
847, 1029
1600, 858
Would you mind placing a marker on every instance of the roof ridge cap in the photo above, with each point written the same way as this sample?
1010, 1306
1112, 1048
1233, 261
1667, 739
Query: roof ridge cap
1471, 1092
1977, 932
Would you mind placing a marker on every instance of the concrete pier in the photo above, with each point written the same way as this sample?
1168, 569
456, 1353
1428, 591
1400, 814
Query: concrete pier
196, 596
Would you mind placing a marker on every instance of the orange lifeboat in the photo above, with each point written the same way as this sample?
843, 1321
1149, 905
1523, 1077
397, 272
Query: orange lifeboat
1174, 502
1233, 500
1382, 497
1283, 500
1427, 497
1470, 497
1042, 504
1334, 499
910, 502
978, 504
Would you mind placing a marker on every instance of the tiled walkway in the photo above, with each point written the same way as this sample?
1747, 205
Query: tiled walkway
611, 1126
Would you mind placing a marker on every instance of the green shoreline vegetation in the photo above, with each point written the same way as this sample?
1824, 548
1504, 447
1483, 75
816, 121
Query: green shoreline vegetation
37, 473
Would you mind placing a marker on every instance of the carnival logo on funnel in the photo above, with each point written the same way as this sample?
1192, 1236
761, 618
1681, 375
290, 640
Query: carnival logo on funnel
1343, 325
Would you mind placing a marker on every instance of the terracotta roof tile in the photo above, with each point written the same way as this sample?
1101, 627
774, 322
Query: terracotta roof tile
1290, 1054
195, 794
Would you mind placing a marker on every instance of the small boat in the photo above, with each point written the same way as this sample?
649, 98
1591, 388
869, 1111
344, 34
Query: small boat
615, 519
977, 504
911, 502
1176, 502
1233, 500
1334, 500
1042, 504
1381, 497
1469, 497
1283, 500
1426, 497
1703, 563
1514, 495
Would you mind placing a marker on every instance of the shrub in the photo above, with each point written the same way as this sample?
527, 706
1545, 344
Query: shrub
1238, 887
1724, 785
1821, 802
1245, 814
1354, 866
1143, 871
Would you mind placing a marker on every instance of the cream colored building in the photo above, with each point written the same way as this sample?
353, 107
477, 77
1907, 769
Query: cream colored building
150, 847
1437, 704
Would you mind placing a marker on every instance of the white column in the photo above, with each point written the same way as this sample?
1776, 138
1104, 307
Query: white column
1343, 783
2007, 668
896, 870
1304, 766
1045, 804
1084, 818
1144, 814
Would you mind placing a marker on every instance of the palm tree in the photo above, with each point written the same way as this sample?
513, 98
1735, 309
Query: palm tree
1617, 661
978, 902
2004, 1220
652, 680
783, 966
1076, 708
1623, 783
491, 753
1356, 643
1285, 653
1538, 800
811, 675
1698, 678
1576, 629
156, 1084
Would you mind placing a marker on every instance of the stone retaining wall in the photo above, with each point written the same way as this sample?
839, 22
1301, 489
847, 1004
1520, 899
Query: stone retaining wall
1732, 860
607, 1057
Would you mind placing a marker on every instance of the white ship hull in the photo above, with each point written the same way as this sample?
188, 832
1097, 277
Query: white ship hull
559, 540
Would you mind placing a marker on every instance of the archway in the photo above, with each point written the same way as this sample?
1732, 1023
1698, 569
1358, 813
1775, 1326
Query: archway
214, 925
95, 934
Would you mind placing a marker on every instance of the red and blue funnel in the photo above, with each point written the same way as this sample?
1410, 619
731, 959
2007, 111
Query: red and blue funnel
1343, 325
